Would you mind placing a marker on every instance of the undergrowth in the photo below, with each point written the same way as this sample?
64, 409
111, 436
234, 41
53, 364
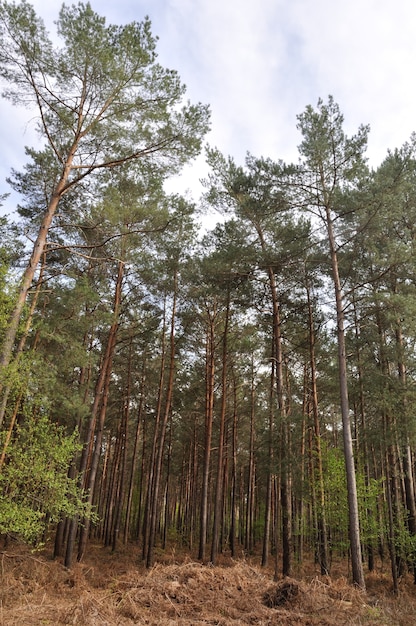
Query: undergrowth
113, 589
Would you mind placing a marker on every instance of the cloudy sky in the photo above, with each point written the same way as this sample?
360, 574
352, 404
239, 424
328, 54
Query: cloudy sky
258, 63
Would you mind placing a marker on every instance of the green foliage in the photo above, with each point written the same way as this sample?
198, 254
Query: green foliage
103, 98
405, 541
369, 494
6, 299
337, 502
327, 149
336, 498
34, 482
10, 248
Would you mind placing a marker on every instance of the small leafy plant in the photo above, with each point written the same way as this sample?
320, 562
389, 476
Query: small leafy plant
34, 484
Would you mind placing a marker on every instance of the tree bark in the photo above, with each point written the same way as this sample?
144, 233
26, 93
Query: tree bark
29, 273
153, 456
134, 457
270, 459
209, 414
233, 524
321, 516
103, 387
220, 458
354, 521
154, 505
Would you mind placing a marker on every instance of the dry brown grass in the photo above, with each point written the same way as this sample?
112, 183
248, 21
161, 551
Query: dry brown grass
111, 590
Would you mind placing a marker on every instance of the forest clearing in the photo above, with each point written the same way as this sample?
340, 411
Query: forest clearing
110, 589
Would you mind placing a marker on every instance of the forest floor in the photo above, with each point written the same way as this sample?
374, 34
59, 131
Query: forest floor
111, 589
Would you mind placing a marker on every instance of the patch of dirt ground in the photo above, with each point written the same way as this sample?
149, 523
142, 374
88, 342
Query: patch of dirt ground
110, 589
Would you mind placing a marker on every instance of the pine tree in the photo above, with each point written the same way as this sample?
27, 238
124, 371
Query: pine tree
102, 100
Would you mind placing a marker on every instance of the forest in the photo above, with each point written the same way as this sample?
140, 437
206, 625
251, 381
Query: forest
245, 389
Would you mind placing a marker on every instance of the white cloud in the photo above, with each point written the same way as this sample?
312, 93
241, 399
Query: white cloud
258, 63
362, 52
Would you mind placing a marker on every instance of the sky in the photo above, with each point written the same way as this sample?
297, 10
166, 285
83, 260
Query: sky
259, 63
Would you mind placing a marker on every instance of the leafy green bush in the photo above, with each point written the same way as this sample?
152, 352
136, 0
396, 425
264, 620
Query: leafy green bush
34, 483
337, 502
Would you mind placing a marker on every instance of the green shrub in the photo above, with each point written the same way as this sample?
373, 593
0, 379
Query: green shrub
34, 483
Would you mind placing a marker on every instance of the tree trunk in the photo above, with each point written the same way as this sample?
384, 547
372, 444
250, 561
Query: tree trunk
407, 454
121, 485
152, 461
270, 459
248, 543
105, 376
154, 505
22, 343
277, 362
134, 458
209, 414
29, 273
321, 516
364, 435
220, 458
233, 524
354, 520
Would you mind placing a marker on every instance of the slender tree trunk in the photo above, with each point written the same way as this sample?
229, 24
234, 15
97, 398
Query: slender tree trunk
106, 489
270, 459
286, 496
167, 496
162, 435
286, 476
405, 449
312, 482
363, 424
277, 522
233, 525
29, 273
302, 473
277, 357
87, 438
123, 461
106, 378
391, 494
248, 543
193, 504
7, 389
220, 461
152, 461
285, 479
209, 414
143, 475
391, 464
85, 456
134, 458
354, 520
407, 454
321, 516
120, 491
409, 488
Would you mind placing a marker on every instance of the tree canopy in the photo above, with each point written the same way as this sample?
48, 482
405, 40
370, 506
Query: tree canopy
247, 390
